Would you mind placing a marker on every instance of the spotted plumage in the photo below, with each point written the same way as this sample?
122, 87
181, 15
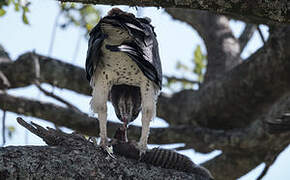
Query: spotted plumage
123, 65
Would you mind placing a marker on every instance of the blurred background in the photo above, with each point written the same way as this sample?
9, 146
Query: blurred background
61, 31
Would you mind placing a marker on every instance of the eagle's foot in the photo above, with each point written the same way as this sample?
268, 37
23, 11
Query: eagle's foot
142, 149
107, 148
109, 151
93, 140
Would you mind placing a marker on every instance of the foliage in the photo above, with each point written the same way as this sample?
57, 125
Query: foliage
10, 130
84, 16
19, 6
199, 61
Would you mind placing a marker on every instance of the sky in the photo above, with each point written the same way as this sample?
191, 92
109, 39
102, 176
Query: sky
177, 42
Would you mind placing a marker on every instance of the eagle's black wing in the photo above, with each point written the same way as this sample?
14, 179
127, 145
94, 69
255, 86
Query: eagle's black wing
94, 50
143, 49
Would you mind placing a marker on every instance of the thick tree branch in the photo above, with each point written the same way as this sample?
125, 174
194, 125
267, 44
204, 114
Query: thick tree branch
201, 139
75, 162
71, 156
55, 72
58, 115
222, 47
4, 56
246, 35
278, 119
242, 159
236, 164
267, 12
241, 95
239, 162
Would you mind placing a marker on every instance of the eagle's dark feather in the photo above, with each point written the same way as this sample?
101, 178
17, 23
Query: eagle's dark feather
143, 49
94, 50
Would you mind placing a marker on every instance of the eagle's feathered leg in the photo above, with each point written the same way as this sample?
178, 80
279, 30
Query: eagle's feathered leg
99, 106
149, 96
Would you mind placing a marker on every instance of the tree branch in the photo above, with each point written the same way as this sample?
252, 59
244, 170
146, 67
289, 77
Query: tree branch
268, 165
239, 162
265, 12
242, 159
173, 78
52, 71
54, 138
204, 140
236, 164
265, 74
3, 128
71, 156
278, 119
222, 47
56, 97
201, 139
246, 36
4, 56
261, 35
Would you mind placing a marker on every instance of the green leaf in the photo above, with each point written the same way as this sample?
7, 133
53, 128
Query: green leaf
2, 12
16, 6
11, 130
89, 27
24, 18
200, 63
83, 16
25, 9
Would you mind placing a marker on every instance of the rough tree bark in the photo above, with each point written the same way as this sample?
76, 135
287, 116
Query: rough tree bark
72, 156
267, 12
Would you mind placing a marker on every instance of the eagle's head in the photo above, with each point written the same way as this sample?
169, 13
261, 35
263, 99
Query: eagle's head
126, 101
118, 18
118, 12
